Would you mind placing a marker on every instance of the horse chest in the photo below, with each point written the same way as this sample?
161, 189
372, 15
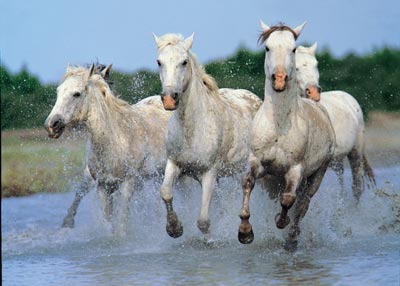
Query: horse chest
278, 151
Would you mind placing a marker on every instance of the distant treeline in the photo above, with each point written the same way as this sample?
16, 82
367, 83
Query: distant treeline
373, 79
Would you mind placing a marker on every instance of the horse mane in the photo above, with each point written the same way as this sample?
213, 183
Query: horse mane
113, 102
280, 27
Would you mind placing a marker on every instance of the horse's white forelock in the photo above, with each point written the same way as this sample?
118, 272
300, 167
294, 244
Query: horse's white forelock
169, 39
304, 50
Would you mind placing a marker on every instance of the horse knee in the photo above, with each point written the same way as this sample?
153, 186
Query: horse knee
287, 200
248, 182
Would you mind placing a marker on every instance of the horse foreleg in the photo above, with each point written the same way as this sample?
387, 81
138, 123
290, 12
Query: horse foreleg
207, 183
306, 192
126, 191
245, 234
174, 226
288, 196
83, 189
105, 191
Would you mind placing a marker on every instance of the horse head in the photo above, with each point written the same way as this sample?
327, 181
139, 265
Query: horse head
280, 47
307, 72
71, 106
174, 65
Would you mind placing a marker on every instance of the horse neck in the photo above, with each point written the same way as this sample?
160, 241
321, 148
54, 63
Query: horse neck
195, 98
106, 125
284, 105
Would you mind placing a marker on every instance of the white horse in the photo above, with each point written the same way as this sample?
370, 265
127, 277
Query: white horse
346, 117
209, 131
126, 143
292, 137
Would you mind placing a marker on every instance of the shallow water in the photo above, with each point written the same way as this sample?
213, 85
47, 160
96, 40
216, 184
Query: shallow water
340, 243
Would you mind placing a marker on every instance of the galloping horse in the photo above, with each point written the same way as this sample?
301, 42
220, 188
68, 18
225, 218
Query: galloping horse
208, 134
346, 117
292, 137
126, 143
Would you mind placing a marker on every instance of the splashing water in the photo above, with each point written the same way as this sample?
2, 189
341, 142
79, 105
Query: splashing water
341, 243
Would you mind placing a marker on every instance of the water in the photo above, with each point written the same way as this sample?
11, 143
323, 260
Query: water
340, 244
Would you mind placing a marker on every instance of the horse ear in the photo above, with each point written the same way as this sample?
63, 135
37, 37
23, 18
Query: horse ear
105, 73
91, 70
313, 48
189, 41
264, 27
157, 39
299, 28
69, 68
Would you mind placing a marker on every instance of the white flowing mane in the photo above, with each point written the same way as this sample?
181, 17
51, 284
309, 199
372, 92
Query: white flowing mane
106, 104
110, 99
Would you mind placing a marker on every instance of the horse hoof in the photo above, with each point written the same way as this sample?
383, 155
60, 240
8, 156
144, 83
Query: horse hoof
175, 230
68, 222
281, 222
246, 238
204, 226
290, 245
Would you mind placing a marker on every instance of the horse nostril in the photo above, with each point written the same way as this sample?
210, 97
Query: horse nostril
56, 124
319, 89
175, 95
308, 91
273, 76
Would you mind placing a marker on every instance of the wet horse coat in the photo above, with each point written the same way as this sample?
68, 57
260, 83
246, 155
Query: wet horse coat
292, 137
346, 116
126, 143
208, 134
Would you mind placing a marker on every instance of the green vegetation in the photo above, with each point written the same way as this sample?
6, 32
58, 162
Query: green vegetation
31, 163
373, 79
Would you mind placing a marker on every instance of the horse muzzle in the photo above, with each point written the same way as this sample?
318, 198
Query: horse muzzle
170, 101
55, 126
313, 92
279, 81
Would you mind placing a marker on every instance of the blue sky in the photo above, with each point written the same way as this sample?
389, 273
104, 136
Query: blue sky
46, 35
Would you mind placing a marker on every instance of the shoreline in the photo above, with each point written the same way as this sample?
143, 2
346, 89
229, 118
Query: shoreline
33, 163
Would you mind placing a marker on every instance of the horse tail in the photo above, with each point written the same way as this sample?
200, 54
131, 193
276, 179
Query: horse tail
368, 171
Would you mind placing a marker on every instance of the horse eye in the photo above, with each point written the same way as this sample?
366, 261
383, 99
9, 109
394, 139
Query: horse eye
267, 49
159, 63
294, 50
184, 62
76, 94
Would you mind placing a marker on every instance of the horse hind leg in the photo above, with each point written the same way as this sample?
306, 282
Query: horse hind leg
338, 168
356, 165
83, 189
369, 171
69, 219
306, 192
288, 196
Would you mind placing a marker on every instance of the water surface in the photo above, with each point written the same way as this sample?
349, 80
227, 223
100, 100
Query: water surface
341, 243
